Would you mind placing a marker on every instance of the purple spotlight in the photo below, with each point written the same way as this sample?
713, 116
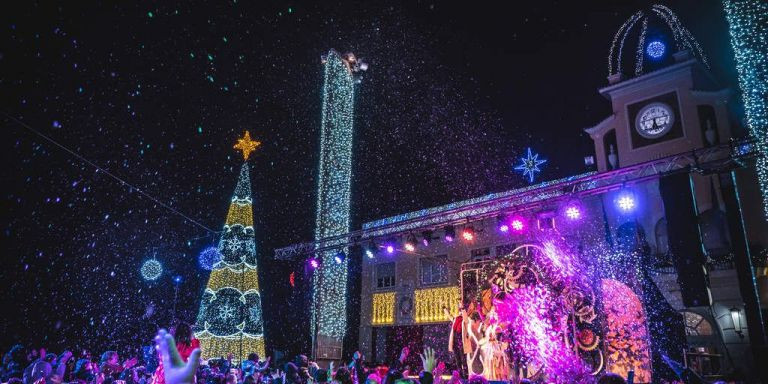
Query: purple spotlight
450, 233
502, 224
314, 263
573, 212
390, 248
518, 225
626, 202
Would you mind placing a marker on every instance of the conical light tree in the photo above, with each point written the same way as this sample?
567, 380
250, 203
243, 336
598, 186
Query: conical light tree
230, 319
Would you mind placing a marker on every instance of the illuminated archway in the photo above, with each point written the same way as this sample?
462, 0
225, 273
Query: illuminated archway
626, 331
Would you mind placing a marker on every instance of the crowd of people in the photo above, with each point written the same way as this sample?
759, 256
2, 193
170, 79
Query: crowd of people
177, 361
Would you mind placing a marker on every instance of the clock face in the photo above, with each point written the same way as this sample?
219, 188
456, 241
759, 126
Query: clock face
654, 120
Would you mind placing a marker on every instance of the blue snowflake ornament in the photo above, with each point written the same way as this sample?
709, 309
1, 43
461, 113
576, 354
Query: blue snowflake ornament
529, 165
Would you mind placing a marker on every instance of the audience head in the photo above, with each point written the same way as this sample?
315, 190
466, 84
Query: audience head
611, 378
301, 361
321, 375
343, 375
110, 357
477, 379
253, 356
392, 376
182, 333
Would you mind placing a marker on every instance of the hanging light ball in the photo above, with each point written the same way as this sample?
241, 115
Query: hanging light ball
208, 258
151, 270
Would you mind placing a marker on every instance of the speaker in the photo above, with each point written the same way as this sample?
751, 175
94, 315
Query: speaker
685, 238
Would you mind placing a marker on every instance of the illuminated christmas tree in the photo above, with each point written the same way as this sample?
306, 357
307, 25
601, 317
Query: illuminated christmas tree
230, 317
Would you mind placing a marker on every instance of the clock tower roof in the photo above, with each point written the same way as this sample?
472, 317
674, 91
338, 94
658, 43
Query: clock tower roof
650, 39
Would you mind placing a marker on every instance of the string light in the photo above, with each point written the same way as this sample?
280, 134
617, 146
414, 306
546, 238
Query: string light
429, 303
747, 20
683, 40
383, 312
333, 197
230, 317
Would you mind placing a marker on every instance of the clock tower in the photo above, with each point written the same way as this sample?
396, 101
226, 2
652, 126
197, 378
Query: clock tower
670, 104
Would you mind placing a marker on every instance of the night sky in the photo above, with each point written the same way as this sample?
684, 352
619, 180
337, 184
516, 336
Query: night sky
158, 93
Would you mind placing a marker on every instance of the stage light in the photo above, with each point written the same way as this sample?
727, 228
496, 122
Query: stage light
450, 233
426, 238
626, 201
502, 224
468, 233
572, 210
339, 257
410, 243
314, 263
518, 225
389, 246
177, 279
370, 250
573, 213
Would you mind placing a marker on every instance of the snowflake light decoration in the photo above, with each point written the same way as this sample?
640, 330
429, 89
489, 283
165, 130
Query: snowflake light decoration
227, 312
530, 165
151, 270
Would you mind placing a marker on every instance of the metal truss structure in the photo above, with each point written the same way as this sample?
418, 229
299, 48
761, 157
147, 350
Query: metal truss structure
716, 159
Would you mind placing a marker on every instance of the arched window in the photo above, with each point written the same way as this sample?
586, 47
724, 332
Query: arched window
714, 232
630, 236
696, 325
662, 239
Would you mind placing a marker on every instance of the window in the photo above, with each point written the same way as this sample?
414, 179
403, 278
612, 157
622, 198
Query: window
662, 239
696, 325
481, 254
385, 275
434, 270
505, 249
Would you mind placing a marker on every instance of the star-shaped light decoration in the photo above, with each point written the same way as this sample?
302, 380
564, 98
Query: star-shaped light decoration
247, 145
530, 165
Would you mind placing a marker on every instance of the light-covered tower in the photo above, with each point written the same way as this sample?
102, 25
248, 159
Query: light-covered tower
230, 319
333, 201
748, 22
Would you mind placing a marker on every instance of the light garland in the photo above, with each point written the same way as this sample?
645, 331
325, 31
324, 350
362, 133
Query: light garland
333, 195
383, 311
682, 37
747, 20
230, 317
429, 304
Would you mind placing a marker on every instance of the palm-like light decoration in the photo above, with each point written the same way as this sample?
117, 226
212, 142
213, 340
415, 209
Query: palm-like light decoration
530, 165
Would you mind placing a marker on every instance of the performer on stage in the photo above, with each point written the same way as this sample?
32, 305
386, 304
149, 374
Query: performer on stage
459, 341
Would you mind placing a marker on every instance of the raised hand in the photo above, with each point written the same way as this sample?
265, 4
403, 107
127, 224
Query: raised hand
176, 371
428, 359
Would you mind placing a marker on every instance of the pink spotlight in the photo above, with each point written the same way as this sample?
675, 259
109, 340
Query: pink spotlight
390, 248
504, 228
573, 212
410, 247
518, 225
314, 263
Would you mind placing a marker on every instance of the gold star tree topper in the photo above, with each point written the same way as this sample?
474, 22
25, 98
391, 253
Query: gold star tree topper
247, 145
